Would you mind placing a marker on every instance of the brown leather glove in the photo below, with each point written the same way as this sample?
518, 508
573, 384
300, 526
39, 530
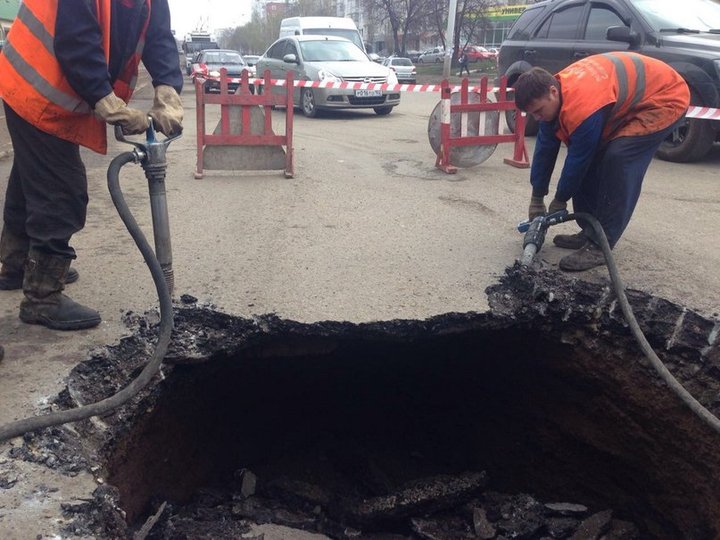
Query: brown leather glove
556, 206
115, 111
167, 110
537, 207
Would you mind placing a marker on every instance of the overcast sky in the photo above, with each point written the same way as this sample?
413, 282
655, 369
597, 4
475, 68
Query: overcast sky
212, 14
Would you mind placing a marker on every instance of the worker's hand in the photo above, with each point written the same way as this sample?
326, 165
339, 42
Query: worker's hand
114, 110
167, 110
537, 207
556, 206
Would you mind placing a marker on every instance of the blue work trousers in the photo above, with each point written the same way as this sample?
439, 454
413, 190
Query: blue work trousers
47, 192
611, 187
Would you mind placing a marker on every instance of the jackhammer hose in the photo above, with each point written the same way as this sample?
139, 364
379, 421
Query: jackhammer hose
20, 427
704, 414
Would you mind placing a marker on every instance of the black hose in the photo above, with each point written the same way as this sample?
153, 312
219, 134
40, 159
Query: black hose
20, 427
704, 414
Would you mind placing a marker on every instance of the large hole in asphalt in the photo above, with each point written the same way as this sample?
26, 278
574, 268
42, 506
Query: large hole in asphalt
413, 427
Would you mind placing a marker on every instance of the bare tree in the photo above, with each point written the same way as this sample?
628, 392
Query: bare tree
402, 16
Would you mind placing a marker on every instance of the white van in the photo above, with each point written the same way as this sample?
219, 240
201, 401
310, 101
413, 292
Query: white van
324, 26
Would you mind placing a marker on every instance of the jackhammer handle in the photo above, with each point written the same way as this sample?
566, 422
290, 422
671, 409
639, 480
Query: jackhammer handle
548, 220
150, 136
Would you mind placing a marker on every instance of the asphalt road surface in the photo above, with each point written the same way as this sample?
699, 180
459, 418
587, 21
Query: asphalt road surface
367, 230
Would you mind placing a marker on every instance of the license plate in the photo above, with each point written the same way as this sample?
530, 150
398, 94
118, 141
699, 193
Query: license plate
368, 93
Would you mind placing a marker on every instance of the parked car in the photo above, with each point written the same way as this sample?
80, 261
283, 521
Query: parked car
413, 55
208, 64
476, 53
251, 59
555, 33
189, 61
432, 56
330, 59
403, 68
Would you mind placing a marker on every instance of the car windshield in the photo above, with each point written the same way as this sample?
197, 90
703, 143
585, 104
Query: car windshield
331, 51
346, 33
689, 15
225, 58
402, 62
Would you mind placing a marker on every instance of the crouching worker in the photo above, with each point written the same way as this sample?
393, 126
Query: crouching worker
612, 111
68, 68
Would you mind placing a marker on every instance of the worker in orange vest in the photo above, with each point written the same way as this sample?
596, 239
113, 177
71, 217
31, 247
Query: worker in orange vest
68, 68
613, 111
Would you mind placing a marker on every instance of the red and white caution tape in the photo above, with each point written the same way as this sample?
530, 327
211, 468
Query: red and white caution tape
704, 113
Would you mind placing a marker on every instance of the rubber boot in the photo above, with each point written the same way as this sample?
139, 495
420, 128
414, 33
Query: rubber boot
13, 252
570, 241
44, 302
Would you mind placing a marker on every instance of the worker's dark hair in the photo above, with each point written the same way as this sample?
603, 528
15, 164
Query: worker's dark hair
533, 85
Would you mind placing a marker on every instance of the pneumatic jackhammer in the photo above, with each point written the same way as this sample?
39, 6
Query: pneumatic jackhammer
533, 240
151, 155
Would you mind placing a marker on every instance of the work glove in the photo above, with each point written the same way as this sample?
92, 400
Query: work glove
537, 207
556, 206
167, 110
115, 111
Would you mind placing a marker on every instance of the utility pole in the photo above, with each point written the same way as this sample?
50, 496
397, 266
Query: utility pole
449, 38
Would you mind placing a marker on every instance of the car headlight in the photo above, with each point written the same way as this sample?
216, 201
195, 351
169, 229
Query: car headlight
326, 76
392, 77
214, 73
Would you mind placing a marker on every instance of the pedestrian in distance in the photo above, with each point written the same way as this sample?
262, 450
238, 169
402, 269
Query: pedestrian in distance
463, 60
69, 68
613, 111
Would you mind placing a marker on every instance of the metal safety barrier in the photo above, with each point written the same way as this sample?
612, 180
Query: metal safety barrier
248, 98
498, 102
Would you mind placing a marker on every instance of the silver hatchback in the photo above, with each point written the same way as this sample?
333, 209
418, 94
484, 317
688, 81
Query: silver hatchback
329, 59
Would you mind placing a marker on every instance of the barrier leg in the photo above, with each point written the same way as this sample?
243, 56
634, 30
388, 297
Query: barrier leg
443, 159
520, 155
200, 128
289, 111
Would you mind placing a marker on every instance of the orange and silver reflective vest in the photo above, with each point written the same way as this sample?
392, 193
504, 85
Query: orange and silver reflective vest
33, 83
647, 94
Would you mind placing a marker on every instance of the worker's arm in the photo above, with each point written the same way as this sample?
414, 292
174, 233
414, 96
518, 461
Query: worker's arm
160, 55
547, 146
78, 49
582, 147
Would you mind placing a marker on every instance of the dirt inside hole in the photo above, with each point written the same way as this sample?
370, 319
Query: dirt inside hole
547, 397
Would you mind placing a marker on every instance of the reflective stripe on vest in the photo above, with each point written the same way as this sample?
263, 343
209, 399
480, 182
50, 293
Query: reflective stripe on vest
622, 105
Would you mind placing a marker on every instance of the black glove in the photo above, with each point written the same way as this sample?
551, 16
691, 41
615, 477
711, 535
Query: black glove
556, 206
537, 207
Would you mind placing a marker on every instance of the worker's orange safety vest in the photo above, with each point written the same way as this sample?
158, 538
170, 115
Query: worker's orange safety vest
34, 86
647, 94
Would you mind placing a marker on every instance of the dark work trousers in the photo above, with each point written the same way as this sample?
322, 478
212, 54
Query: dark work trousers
47, 194
611, 187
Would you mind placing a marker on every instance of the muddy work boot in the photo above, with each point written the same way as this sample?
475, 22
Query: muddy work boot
13, 252
587, 257
570, 241
44, 302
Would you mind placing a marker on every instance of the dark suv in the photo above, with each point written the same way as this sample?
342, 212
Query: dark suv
684, 34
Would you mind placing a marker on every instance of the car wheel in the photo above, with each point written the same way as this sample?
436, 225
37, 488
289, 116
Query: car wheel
307, 103
513, 72
420, 61
531, 125
437, 60
383, 111
691, 141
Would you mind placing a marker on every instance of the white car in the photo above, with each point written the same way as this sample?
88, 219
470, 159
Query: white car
432, 56
330, 59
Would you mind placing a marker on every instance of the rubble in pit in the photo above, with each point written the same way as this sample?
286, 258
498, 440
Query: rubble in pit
596, 429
